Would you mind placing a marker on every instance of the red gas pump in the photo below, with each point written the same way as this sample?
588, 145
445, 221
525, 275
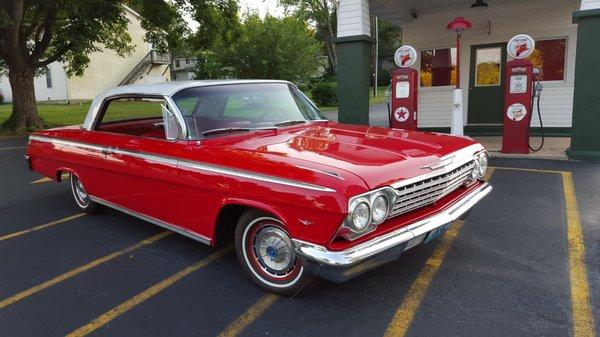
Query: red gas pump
518, 96
402, 105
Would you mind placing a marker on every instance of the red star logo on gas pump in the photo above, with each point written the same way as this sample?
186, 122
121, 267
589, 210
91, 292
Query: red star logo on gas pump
401, 114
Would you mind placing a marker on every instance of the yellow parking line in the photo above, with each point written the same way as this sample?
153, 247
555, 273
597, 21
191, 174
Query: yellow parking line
406, 311
527, 170
583, 321
15, 298
43, 180
244, 320
13, 148
488, 174
26, 231
46, 179
146, 294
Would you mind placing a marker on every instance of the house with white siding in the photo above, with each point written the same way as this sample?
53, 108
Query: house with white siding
105, 70
566, 35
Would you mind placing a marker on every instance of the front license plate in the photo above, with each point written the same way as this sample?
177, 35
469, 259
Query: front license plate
436, 232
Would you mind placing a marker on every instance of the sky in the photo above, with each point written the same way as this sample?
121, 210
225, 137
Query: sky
262, 6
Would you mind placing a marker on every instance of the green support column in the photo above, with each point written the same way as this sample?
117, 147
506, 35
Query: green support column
585, 138
354, 78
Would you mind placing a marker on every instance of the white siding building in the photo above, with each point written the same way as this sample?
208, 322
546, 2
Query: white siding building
423, 22
105, 70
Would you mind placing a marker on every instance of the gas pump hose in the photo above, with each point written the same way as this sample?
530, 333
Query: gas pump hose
538, 94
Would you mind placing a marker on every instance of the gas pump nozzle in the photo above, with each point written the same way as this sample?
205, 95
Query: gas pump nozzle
537, 84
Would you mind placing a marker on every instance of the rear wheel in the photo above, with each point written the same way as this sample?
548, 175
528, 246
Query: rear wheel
82, 199
265, 251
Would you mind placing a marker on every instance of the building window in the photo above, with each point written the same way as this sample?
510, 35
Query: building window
177, 64
487, 69
550, 57
438, 67
48, 78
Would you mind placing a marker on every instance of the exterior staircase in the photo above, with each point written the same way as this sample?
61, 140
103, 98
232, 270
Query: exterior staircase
145, 65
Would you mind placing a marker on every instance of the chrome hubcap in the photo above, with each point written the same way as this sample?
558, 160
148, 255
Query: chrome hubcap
81, 196
274, 251
80, 190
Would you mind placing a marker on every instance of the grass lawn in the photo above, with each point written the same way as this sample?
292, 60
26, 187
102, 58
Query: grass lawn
63, 114
55, 114
372, 100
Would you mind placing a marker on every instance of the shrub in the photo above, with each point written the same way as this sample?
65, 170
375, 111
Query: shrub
1, 98
325, 94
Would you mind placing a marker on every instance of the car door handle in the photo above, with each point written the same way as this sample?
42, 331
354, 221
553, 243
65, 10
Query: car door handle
108, 151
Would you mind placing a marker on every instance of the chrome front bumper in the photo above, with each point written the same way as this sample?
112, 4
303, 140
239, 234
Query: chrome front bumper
343, 265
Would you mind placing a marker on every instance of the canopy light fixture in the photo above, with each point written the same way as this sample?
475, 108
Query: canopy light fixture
479, 3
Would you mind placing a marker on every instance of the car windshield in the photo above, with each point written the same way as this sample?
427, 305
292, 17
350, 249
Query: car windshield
211, 111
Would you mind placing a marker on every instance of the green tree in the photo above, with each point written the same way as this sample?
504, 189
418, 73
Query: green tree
390, 38
271, 48
34, 34
321, 13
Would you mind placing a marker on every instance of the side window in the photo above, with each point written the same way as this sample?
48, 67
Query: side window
133, 116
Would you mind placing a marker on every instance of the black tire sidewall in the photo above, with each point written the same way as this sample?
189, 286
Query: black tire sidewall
289, 289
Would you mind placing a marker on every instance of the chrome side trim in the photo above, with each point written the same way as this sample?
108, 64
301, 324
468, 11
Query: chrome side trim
459, 158
184, 232
74, 143
253, 176
363, 251
172, 161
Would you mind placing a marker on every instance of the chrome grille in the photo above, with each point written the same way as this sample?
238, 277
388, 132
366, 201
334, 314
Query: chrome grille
428, 191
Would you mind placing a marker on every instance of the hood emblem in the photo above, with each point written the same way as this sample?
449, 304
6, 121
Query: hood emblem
444, 162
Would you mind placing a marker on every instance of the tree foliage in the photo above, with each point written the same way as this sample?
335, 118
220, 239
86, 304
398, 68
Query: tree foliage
269, 48
35, 33
323, 14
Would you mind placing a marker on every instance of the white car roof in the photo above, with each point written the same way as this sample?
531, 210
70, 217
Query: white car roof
157, 89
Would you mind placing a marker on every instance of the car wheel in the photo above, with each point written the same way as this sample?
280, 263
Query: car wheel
82, 199
265, 251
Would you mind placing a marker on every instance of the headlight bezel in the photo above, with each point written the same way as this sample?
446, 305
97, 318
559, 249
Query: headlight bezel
481, 159
374, 197
351, 212
347, 230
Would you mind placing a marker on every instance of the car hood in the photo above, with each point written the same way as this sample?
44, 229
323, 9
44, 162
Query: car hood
379, 156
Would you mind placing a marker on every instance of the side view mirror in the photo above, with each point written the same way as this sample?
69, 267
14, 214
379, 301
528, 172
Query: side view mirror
172, 127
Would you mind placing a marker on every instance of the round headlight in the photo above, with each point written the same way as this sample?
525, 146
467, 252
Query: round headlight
483, 164
360, 216
379, 209
476, 170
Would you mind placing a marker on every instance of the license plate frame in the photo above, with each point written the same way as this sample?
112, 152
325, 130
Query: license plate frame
436, 233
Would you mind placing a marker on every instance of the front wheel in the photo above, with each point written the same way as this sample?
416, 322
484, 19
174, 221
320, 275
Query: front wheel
265, 251
82, 199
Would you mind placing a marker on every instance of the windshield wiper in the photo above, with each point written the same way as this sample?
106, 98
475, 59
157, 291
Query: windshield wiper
290, 122
224, 130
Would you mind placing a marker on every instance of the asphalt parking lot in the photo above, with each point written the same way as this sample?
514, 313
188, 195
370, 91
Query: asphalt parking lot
526, 262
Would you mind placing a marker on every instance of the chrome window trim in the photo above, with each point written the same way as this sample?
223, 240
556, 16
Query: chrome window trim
166, 225
172, 161
179, 116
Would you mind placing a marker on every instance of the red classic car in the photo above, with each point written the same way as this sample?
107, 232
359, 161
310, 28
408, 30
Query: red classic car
256, 163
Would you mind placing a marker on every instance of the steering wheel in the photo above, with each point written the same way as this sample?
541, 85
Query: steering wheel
262, 117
